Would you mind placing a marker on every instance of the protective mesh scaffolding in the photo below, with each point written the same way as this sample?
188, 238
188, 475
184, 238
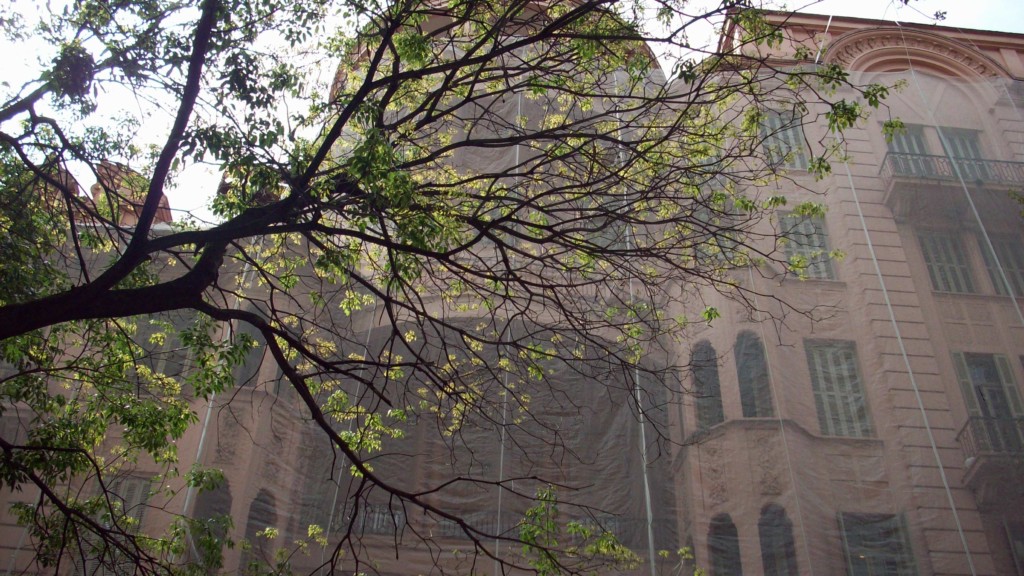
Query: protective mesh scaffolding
865, 420
882, 434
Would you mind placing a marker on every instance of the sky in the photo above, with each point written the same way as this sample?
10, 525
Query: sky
192, 190
1001, 15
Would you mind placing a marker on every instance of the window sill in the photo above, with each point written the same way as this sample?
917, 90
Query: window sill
819, 282
785, 424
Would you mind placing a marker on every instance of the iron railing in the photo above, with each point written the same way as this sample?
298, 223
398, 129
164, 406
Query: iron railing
898, 164
984, 435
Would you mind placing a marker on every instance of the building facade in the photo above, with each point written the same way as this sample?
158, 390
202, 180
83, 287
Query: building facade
880, 431
865, 419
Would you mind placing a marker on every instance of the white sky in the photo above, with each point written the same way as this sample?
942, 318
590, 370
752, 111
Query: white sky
192, 190
1001, 15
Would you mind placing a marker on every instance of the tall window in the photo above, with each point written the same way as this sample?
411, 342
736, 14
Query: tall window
778, 552
159, 338
783, 139
838, 392
1015, 535
128, 494
964, 150
876, 545
704, 364
724, 547
993, 402
716, 235
948, 266
213, 507
132, 493
908, 153
380, 519
1010, 258
807, 246
262, 515
247, 372
752, 370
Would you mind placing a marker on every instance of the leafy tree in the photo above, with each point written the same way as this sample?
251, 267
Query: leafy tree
485, 195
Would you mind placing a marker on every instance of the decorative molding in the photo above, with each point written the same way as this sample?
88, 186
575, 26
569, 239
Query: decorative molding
226, 448
854, 51
714, 475
767, 454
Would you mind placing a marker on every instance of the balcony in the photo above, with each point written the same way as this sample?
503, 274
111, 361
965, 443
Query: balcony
943, 168
994, 452
916, 182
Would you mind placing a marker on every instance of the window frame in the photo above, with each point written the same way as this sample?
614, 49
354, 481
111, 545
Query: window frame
778, 547
783, 140
704, 362
909, 151
863, 557
131, 492
842, 405
755, 386
962, 146
1010, 260
953, 273
992, 399
806, 238
724, 554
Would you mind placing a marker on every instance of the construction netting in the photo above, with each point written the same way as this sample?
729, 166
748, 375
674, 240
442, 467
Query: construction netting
861, 416
863, 419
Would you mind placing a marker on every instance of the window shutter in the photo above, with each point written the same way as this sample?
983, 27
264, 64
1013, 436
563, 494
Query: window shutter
965, 384
847, 543
1006, 377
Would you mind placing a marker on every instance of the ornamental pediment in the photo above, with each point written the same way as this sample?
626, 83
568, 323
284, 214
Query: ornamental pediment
884, 50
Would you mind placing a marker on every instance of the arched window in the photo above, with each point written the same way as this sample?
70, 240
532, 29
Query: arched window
704, 364
724, 547
778, 553
262, 515
246, 373
752, 370
213, 509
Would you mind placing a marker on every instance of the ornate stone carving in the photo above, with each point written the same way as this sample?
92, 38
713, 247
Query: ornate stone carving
227, 439
767, 454
849, 48
714, 475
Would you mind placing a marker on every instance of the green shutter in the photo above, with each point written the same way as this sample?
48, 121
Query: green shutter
965, 384
1006, 377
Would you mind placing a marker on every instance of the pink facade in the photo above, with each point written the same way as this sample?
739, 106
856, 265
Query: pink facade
890, 428
864, 420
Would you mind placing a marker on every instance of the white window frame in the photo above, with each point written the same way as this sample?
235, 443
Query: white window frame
948, 262
806, 241
1010, 258
783, 139
838, 388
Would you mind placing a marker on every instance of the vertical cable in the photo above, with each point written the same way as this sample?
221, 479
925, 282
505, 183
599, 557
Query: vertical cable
505, 384
782, 431
821, 46
337, 484
947, 152
16, 551
910, 370
637, 393
190, 492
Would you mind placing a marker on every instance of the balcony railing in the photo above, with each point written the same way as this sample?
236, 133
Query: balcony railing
992, 436
900, 165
